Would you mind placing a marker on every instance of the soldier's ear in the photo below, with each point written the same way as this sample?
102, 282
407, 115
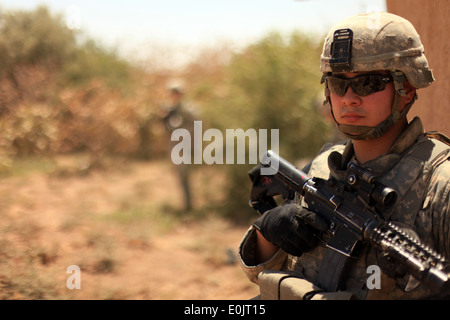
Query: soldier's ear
409, 90
410, 96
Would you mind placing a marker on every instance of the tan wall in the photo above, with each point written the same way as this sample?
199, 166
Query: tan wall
432, 22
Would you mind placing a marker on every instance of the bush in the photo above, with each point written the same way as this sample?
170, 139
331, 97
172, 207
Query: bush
33, 38
57, 95
61, 96
272, 84
90, 62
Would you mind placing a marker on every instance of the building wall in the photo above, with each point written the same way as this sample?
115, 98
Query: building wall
431, 20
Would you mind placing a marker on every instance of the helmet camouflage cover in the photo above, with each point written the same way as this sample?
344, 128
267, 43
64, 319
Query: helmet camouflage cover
379, 41
372, 42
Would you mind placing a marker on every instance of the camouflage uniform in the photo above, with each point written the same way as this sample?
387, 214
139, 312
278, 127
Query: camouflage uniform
180, 115
416, 166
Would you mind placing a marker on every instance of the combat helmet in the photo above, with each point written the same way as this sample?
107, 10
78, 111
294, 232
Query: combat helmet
372, 42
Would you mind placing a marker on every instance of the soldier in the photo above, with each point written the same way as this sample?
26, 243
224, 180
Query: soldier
372, 66
179, 115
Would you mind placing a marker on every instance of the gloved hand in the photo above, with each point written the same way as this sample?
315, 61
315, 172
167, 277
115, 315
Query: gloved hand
264, 189
291, 227
394, 269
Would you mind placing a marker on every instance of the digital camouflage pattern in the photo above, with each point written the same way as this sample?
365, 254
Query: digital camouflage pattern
382, 41
373, 42
417, 167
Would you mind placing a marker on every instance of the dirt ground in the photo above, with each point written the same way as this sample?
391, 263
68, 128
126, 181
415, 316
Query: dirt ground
118, 225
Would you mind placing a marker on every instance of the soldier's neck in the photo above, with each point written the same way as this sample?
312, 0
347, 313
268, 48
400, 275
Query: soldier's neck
366, 150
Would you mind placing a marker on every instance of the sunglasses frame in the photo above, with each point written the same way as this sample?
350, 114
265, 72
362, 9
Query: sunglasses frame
359, 84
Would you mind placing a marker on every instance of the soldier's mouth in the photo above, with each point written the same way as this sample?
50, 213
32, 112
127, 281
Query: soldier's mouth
351, 117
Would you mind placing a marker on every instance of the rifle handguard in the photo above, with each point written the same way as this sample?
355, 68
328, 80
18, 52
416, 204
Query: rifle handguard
352, 217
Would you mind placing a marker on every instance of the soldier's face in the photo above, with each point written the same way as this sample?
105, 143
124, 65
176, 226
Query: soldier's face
369, 110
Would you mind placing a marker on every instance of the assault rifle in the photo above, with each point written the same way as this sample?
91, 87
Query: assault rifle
351, 210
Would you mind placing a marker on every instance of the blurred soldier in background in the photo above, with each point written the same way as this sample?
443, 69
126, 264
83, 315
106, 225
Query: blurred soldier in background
178, 115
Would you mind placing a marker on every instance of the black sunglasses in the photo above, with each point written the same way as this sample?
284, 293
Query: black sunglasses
362, 85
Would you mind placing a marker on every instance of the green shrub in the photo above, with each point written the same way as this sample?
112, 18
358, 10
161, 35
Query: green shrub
272, 84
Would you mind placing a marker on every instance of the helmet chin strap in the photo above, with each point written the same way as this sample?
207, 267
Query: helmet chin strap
365, 132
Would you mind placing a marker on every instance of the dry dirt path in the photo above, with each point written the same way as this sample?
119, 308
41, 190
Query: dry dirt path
112, 224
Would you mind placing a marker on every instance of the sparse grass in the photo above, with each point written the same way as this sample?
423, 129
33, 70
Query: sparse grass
141, 217
98, 222
32, 265
26, 268
24, 166
210, 244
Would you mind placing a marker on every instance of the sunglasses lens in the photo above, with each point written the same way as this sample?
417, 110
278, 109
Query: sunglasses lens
337, 85
362, 85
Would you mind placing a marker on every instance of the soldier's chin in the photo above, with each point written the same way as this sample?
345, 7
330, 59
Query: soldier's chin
354, 131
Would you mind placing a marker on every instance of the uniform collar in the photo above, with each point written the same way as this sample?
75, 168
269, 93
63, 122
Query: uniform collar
387, 161
408, 137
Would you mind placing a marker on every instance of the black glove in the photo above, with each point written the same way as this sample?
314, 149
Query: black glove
264, 188
291, 227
